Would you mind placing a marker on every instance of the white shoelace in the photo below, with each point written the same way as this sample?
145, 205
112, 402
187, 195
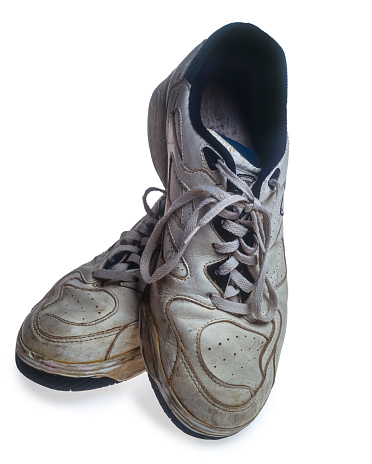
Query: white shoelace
245, 213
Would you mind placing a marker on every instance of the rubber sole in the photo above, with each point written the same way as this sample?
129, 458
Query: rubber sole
61, 382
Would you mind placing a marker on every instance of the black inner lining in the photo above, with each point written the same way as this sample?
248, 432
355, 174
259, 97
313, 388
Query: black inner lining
239, 88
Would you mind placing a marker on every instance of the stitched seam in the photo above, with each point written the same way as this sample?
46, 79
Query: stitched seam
109, 351
180, 127
188, 367
177, 221
72, 339
250, 400
68, 284
276, 343
208, 398
204, 366
188, 85
184, 354
282, 281
42, 334
175, 365
204, 162
266, 347
78, 324
178, 84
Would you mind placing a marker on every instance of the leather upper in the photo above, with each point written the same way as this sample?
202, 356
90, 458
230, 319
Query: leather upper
85, 326
79, 320
220, 367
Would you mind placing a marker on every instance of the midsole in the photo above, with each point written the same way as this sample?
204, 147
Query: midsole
119, 368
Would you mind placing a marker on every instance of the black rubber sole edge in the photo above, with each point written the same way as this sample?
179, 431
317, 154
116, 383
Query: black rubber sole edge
61, 382
174, 419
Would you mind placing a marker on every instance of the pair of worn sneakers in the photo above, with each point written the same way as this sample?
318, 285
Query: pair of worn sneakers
196, 291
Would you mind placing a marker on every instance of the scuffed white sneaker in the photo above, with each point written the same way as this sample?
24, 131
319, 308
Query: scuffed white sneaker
84, 333
213, 319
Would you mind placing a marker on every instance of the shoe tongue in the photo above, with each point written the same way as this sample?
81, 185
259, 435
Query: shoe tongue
246, 161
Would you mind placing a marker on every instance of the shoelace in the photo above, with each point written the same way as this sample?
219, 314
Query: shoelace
130, 248
241, 213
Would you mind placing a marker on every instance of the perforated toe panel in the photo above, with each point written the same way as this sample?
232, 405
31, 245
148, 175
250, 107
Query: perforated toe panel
232, 353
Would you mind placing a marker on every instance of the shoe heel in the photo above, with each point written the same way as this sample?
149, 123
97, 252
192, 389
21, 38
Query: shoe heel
156, 130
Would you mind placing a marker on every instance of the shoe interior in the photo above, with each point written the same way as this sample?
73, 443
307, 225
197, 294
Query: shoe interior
222, 109
239, 89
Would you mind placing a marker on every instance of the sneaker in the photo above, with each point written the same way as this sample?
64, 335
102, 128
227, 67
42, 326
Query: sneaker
213, 319
84, 333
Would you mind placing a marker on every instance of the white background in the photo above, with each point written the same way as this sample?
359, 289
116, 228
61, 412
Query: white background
75, 82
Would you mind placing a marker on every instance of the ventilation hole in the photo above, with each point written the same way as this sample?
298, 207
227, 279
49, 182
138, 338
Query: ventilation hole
96, 306
214, 367
220, 343
234, 354
237, 336
99, 312
228, 339
209, 348
224, 359
241, 367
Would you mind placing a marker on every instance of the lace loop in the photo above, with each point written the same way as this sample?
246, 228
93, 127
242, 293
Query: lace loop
125, 255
